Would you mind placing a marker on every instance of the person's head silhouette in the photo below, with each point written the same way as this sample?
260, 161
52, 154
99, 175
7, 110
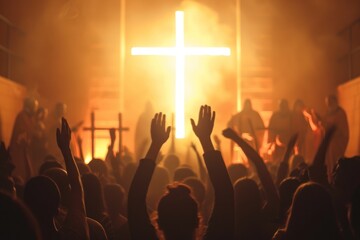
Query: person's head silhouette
312, 214
17, 222
178, 213
93, 192
42, 196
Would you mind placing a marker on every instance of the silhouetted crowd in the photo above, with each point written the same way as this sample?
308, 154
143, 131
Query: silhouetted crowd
296, 185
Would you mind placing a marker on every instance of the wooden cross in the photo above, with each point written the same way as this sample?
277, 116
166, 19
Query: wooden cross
92, 129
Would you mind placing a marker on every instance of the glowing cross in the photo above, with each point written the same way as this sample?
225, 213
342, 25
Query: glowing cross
179, 51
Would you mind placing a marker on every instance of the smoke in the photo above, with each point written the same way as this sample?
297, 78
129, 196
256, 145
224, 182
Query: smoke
307, 47
72, 49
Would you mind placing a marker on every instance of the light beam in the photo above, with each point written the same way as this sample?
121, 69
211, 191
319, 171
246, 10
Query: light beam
180, 51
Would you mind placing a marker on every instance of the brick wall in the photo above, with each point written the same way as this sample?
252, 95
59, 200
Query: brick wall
12, 95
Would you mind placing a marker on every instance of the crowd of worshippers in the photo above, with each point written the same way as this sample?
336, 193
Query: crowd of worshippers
302, 188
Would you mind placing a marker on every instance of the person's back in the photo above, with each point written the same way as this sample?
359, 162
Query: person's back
177, 210
94, 202
287, 190
115, 199
178, 213
171, 163
16, 220
312, 215
249, 217
43, 198
237, 171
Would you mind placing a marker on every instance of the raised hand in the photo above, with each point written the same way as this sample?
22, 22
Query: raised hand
159, 132
204, 127
63, 136
230, 133
159, 135
112, 132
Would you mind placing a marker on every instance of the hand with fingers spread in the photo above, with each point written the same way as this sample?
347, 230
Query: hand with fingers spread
159, 133
205, 124
204, 127
63, 136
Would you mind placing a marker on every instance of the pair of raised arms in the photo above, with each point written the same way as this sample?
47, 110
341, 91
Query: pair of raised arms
203, 129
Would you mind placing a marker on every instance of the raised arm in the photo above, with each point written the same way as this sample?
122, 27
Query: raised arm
75, 223
264, 175
80, 146
202, 170
317, 170
138, 218
112, 161
221, 223
283, 170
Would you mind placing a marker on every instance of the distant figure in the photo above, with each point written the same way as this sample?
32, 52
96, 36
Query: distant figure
171, 163
54, 123
142, 131
22, 136
336, 116
248, 123
280, 129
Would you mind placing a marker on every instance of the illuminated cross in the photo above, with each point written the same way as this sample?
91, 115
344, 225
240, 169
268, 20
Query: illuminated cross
180, 51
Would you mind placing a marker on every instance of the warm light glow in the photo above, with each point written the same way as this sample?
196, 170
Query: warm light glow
88, 158
180, 51
101, 147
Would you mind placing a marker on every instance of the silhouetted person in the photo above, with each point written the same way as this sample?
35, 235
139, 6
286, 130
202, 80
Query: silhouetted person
354, 213
336, 116
21, 138
312, 215
254, 217
287, 190
171, 163
60, 177
249, 124
49, 162
280, 129
16, 220
99, 168
237, 171
198, 191
183, 172
178, 206
157, 187
94, 202
185, 214
43, 198
249, 216
115, 203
